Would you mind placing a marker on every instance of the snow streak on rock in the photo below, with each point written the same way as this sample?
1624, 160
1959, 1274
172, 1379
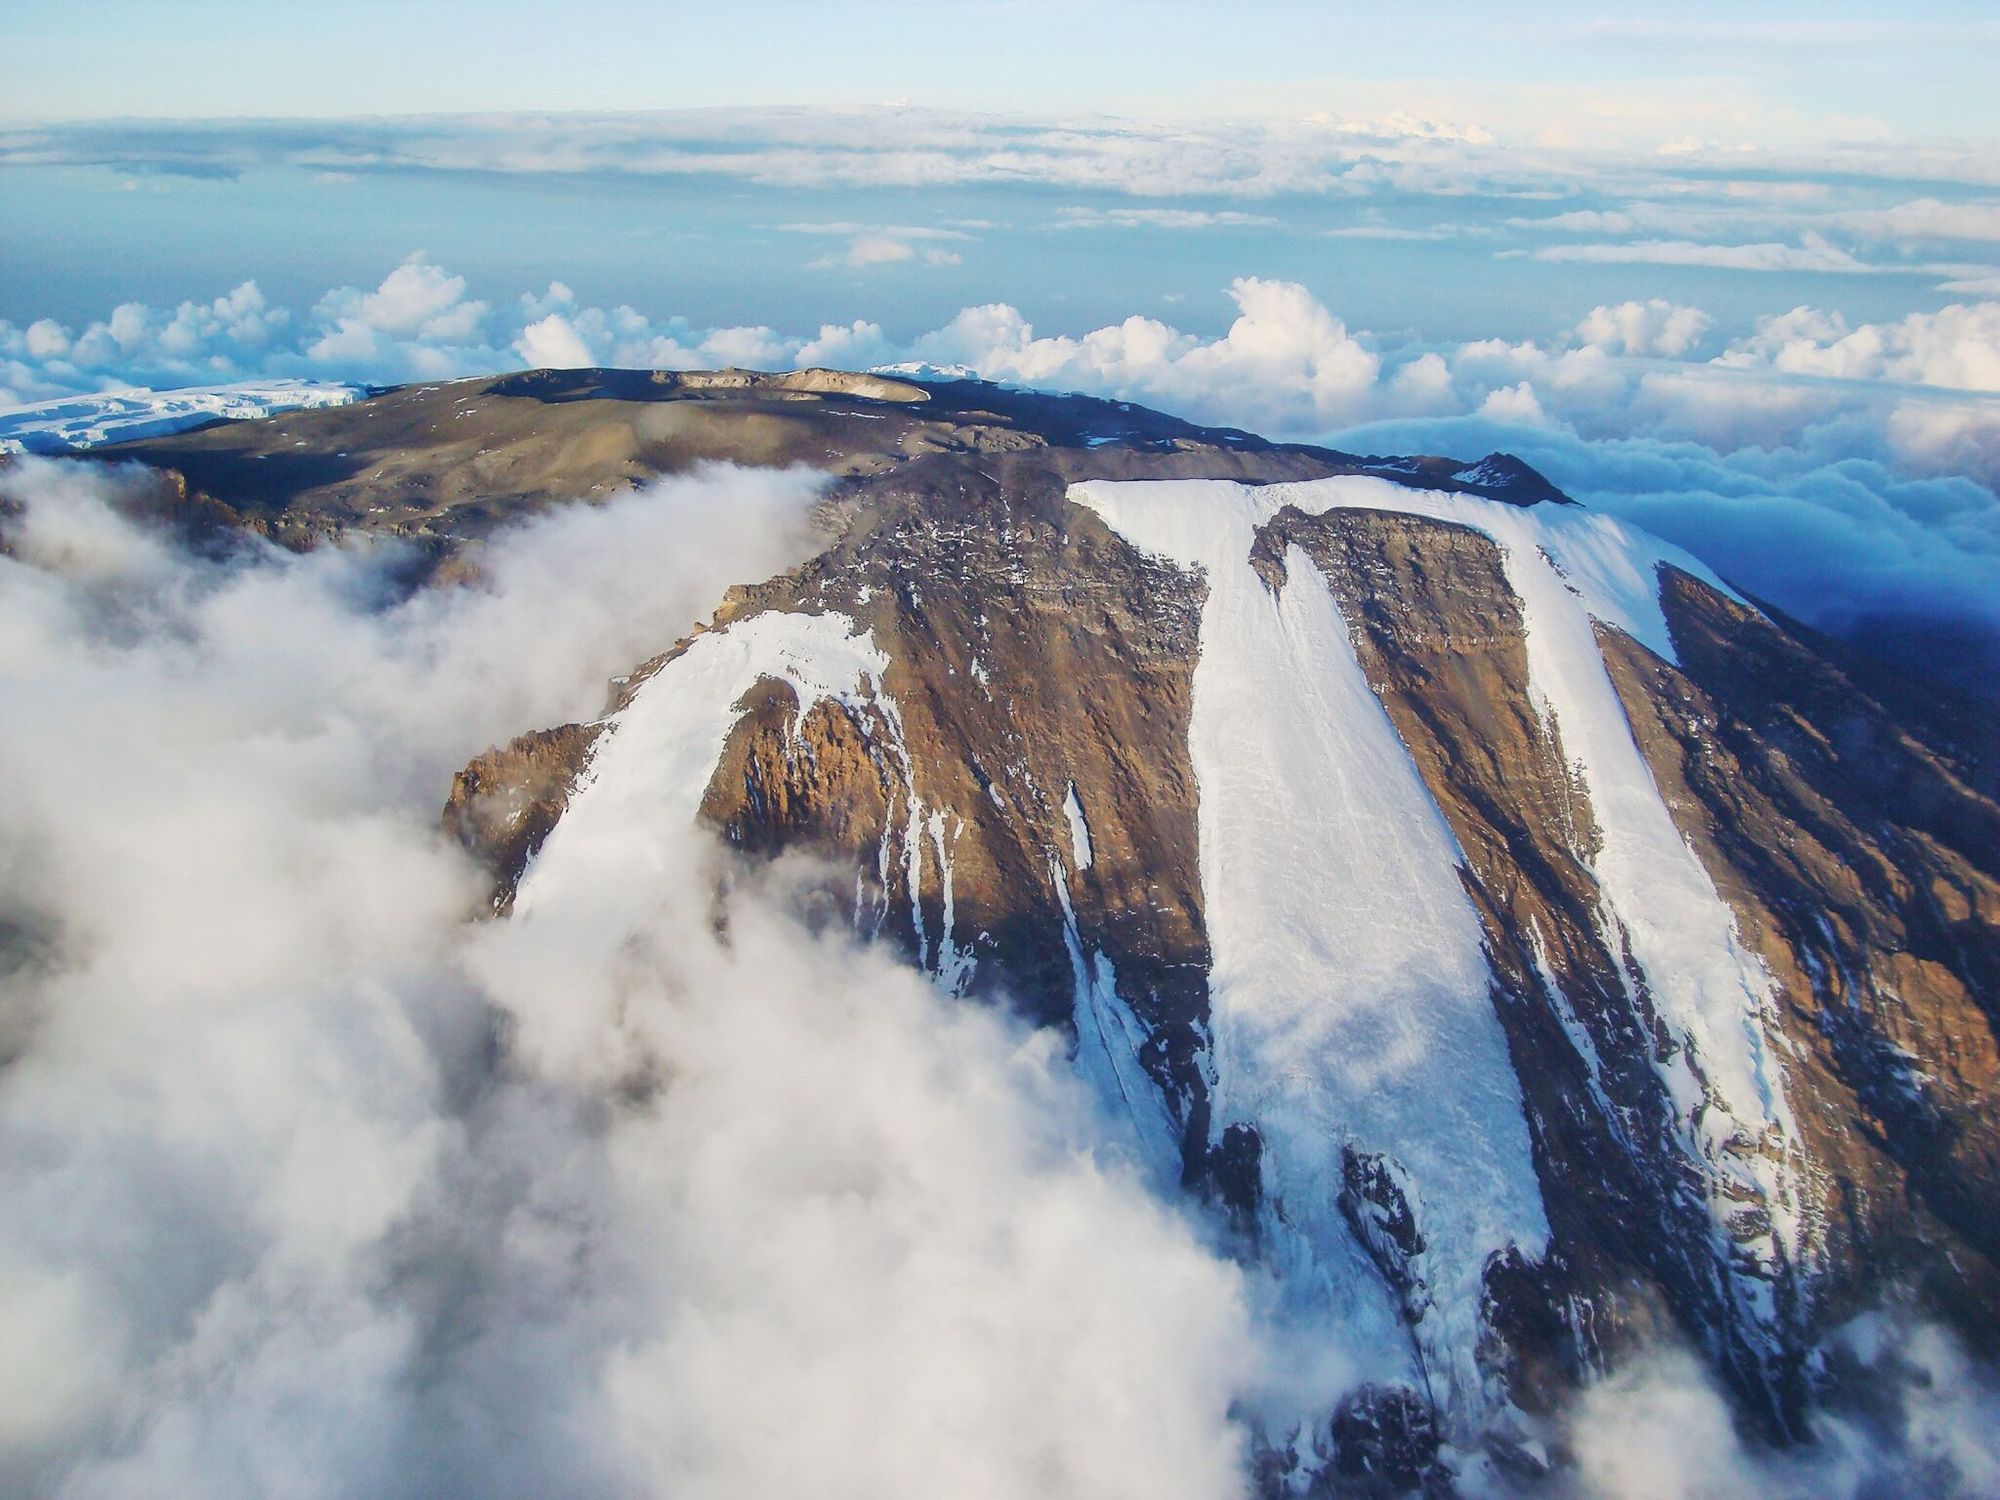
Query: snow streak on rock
1350, 995
653, 767
1109, 1039
1079, 828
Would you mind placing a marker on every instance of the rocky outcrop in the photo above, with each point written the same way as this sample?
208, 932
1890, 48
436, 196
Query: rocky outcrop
505, 802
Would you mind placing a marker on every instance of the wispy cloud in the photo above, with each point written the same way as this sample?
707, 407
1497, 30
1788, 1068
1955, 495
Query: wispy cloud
1318, 155
1161, 218
885, 244
321, 1187
1686, 34
1812, 253
1390, 232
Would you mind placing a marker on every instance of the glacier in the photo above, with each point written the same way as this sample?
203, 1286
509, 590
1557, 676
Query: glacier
1350, 997
1309, 895
69, 423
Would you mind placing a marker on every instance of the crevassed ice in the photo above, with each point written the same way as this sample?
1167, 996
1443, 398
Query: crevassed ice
72, 422
1109, 1041
1349, 993
1570, 567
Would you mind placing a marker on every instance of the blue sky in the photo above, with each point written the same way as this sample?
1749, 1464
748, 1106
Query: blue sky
1777, 72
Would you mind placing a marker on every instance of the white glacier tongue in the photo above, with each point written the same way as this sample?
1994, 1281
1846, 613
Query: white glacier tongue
72, 422
1349, 993
1571, 567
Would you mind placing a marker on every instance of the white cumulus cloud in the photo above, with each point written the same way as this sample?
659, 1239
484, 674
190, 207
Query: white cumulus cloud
552, 342
1956, 347
1903, 402
1655, 326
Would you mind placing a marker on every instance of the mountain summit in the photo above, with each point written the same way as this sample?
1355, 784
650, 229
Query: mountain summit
1521, 942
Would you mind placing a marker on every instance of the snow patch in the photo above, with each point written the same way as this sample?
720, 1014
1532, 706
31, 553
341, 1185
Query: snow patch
1108, 1041
1079, 829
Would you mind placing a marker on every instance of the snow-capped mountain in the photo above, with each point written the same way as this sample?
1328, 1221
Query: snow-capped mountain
1514, 938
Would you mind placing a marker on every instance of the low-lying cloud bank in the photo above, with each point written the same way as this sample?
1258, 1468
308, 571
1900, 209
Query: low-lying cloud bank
1914, 1416
1648, 157
1845, 471
297, 1203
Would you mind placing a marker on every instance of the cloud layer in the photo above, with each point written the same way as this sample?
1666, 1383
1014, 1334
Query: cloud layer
301, 1207
1320, 152
1845, 470
1912, 1415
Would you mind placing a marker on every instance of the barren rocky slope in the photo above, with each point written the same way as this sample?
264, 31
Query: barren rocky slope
1520, 937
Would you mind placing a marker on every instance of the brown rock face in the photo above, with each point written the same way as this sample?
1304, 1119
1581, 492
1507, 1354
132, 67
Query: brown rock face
1030, 664
1036, 658
443, 465
505, 802
1862, 865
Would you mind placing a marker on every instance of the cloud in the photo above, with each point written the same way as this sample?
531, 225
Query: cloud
1401, 125
1513, 403
1655, 326
419, 305
551, 342
884, 245
191, 343
1947, 437
874, 250
1582, 137
897, 148
1956, 347
46, 339
1387, 232
1658, 1431
1925, 219
1803, 395
1812, 253
851, 346
1285, 362
1582, 221
1829, 528
1161, 218
1909, 1414
1705, 36
302, 1204
418, 295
